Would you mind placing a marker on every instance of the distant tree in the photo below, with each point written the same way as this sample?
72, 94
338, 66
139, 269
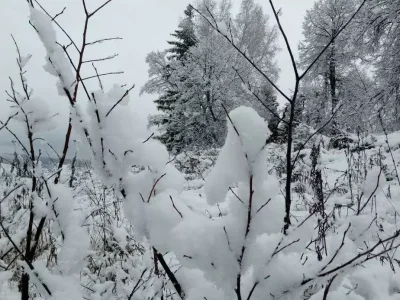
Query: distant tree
198, 85
185, 39
324, 83
380, 44
185, 36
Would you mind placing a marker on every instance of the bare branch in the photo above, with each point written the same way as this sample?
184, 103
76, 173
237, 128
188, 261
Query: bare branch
100, 59
154, 186
103, 40
98, 77
230, 120
60, 13
259, 99
262, 206
10, 192
123, 96
289, 49
337, 250
4, 124
101, 75
326, 291
332, 40
252, 290
24, 258
58, 25
146, 140
284, 247
99, 8
173, 204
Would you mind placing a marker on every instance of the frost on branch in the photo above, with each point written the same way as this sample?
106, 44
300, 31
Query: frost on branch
75, 238
56, 61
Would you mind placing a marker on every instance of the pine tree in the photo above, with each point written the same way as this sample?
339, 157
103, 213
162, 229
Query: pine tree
185, 36
185, 39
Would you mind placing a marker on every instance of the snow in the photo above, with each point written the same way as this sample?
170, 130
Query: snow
246, 89
57, 63
36, 112
223, 28
76, 239
24, 60
375, 179
204, 230
241, 155
102, 236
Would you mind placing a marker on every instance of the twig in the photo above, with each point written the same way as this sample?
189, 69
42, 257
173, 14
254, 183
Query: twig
286, 40
337, 250
4, 124
98, 77
104, 74
252, 290
136, 285
237, 197
262, 206
103, 40
100, 59
24, 258
59, 26
60, 13
230, 120
119, 101
146, 140
173, 204
154, 186
97, 10
372, 194
284, 247
326, 291
170, 274
10, 192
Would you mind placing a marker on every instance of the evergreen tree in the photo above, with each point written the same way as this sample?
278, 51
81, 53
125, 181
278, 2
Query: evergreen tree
185, 39
185, 36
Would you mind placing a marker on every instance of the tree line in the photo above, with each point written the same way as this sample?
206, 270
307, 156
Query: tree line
201, 76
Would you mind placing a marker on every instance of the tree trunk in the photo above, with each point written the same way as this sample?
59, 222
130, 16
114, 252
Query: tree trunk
24, 287
333, 84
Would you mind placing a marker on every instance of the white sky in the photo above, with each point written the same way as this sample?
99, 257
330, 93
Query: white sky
144, 25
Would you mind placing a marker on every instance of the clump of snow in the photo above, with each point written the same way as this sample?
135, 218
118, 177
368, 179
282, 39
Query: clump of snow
57, 63
36, 112
75, 238
242, 155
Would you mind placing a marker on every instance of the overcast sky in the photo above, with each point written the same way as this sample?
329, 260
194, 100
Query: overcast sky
144, 25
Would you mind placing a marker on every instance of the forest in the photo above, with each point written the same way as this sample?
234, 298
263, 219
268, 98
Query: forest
234, 188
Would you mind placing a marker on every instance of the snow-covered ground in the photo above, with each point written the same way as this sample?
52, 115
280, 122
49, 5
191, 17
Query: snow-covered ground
219, 226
